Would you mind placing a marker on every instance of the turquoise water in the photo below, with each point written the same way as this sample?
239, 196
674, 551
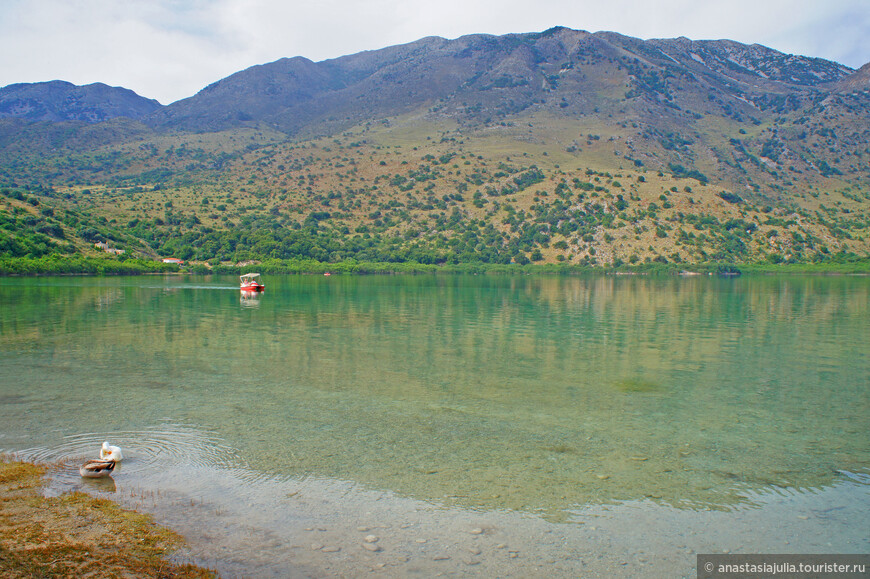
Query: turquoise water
528, 395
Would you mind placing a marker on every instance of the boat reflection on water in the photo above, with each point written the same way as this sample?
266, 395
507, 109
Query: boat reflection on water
250, 299
251, 289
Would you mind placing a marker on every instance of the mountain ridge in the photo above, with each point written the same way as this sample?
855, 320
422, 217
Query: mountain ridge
274, 91
522, 67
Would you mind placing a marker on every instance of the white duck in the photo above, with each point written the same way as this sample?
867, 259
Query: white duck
109, 452
97, 468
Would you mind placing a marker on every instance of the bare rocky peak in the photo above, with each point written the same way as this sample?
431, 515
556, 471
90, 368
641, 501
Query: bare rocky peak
485, 75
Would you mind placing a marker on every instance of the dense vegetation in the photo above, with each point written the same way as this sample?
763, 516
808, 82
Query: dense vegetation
576, 222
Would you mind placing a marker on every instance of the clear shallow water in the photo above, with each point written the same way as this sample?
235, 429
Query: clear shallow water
539, 402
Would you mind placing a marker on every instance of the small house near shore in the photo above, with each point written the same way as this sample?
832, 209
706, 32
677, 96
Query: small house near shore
105, 247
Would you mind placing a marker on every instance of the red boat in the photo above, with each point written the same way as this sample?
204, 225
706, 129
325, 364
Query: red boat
250, 282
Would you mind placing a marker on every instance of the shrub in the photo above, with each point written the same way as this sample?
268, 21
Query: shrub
730, 197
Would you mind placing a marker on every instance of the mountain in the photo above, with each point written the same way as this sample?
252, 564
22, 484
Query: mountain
57, 100
482, 76
559, 146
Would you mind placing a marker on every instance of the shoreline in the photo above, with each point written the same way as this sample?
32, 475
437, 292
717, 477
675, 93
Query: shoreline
242, 524
76, 534
64, 266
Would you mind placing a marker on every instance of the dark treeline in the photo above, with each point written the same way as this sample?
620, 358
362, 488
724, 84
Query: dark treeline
63, 265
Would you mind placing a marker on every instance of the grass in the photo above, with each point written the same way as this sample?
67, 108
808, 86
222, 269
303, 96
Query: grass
861, 267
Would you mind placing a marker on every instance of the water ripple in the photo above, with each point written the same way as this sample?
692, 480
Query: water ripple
203, 287
164, 446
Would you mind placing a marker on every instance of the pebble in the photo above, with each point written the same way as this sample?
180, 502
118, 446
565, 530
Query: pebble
371, 539
371, 547
603, 476
316, 546
474, 551
471, 561
421, 541
513, 555
500, 546
331, 549
803, 517
476, 531
360, 529
441, 557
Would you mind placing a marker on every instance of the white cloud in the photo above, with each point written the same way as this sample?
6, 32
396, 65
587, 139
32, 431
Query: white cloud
170, 49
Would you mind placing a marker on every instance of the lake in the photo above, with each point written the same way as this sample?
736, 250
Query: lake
518, 426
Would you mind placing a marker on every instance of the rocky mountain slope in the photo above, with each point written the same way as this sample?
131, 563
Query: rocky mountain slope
481, 76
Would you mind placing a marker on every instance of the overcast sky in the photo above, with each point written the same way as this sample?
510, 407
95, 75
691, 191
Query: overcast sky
170, 49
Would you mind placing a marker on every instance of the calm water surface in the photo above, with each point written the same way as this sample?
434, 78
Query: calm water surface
609, 426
